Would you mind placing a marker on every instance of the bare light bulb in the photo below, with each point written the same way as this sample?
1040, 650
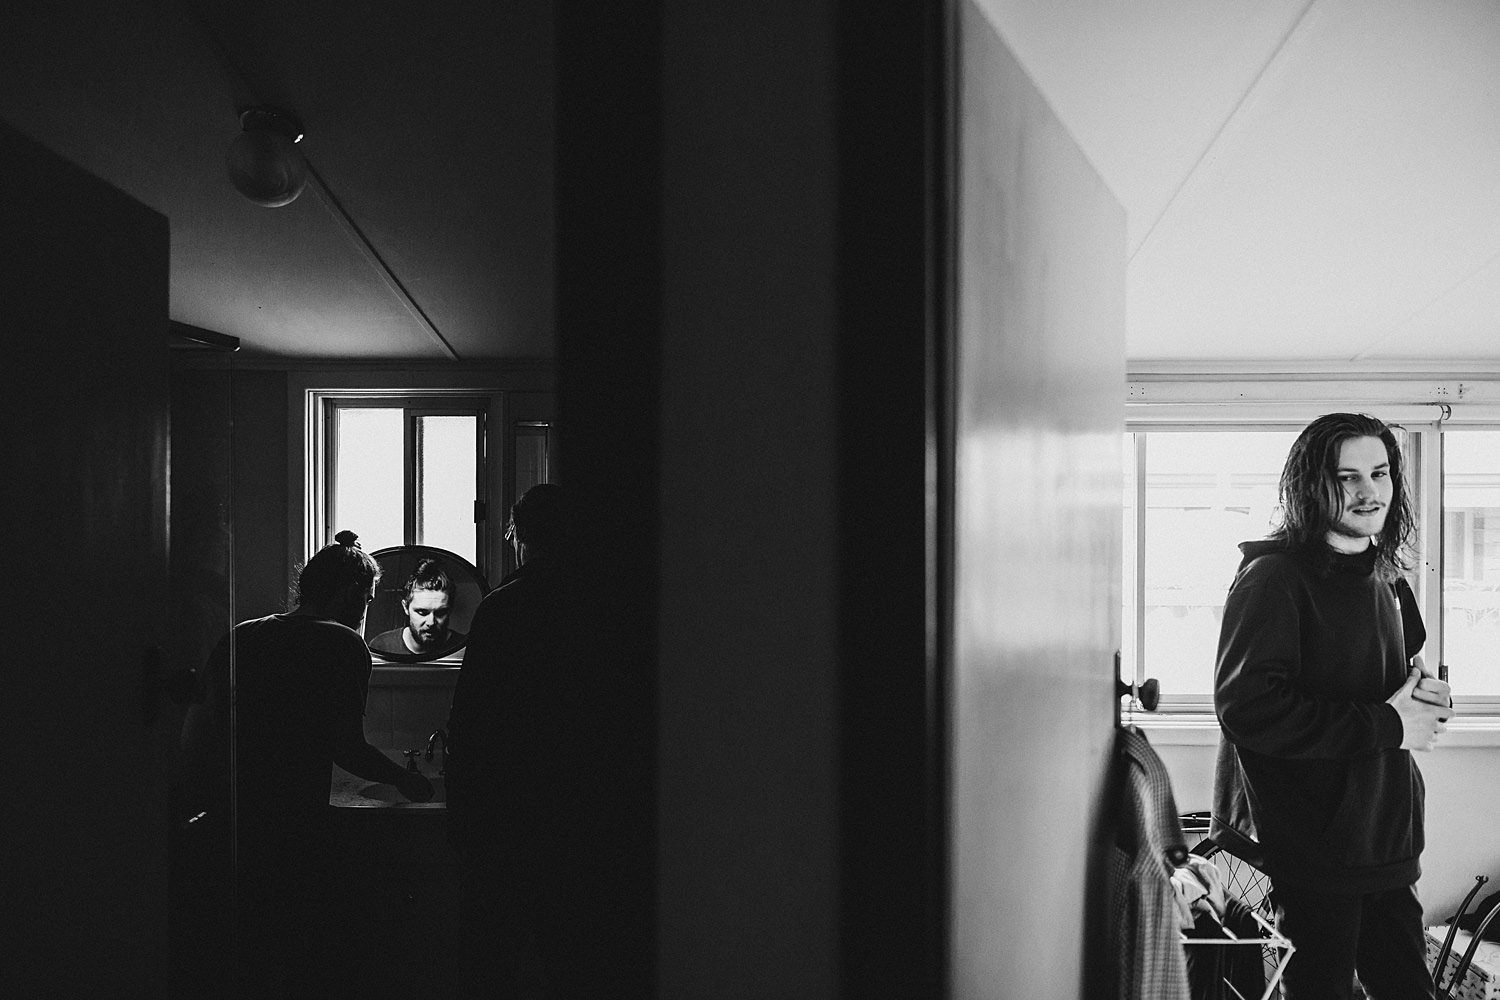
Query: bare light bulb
263, 160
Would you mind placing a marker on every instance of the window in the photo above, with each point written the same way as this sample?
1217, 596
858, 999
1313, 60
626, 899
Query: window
1203, 492
1201, 463
407, 475
419, 466
1471, 559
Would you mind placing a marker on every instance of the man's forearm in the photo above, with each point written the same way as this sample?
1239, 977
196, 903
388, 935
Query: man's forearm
364, 761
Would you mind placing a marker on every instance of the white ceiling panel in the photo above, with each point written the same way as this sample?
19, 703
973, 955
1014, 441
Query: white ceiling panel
1307, 180
1144, 86
1464, 319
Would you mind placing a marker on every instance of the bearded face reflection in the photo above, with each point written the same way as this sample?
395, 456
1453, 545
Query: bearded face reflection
427, 614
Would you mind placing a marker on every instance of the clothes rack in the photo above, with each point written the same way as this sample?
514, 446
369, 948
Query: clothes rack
1270, 938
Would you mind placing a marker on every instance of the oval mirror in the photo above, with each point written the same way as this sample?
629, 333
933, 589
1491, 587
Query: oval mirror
423, 604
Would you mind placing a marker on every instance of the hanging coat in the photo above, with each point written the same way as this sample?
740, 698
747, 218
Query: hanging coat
1148, 846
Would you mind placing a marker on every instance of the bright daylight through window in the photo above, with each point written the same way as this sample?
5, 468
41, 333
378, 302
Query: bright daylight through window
403, 475
1471, 559
1193, 493
1205, 492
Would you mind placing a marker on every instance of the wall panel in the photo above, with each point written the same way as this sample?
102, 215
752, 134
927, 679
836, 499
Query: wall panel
1040, 360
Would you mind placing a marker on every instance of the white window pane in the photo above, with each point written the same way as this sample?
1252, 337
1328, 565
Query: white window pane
1471, 560
1128, 565
367, 470
1205, 493
446, 476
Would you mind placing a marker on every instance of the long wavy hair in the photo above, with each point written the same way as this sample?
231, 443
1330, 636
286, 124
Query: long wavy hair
1312, 499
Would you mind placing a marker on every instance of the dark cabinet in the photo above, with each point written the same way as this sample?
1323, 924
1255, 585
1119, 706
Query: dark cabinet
400, 880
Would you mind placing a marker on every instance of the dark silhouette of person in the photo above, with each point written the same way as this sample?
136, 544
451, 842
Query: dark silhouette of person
508, 732
428, 605
298, 687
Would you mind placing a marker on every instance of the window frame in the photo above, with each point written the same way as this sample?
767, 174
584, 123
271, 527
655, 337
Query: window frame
1456, 422
413, 407
520, 395
1171, 702
1427, 407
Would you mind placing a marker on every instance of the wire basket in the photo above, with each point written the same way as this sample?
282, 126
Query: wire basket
1253, 888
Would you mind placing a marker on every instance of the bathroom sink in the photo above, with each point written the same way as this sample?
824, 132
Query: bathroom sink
375, 795
349, 792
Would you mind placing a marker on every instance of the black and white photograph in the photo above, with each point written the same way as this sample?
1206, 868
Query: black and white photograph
938, 500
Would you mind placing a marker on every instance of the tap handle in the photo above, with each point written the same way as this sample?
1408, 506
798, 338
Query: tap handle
411, 759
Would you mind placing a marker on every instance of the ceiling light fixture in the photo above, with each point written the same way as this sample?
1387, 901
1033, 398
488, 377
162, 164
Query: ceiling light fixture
264, 163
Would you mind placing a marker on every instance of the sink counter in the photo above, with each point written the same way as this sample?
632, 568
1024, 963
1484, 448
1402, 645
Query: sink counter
400, 877
350, 792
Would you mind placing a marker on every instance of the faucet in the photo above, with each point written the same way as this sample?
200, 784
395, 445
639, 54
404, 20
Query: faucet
439, 734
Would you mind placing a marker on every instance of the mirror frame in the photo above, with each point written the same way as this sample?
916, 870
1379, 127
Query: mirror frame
397, 563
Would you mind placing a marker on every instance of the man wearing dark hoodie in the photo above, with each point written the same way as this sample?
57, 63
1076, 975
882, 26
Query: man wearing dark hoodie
1321, 697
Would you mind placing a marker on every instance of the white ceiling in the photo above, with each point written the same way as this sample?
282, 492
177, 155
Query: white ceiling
1315, 181
1305, 180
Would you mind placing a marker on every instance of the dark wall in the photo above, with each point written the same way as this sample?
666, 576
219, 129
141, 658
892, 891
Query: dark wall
608, 281
745, 311
229, 497
1039, 352
84, 287
263, 578
201, 525
893, 444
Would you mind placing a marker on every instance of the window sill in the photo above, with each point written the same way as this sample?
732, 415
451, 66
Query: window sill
1202, 730
1180, 729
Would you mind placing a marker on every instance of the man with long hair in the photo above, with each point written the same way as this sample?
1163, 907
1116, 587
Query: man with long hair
1321, 696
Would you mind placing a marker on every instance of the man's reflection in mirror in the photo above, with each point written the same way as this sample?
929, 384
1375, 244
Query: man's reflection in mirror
428, 604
